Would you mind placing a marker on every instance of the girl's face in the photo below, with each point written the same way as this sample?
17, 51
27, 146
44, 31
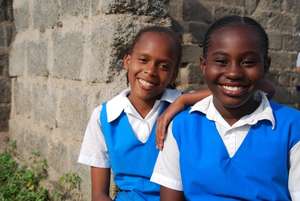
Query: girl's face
233, 67
151, 67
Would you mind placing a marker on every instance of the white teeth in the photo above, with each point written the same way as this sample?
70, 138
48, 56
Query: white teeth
232, 88
145, 83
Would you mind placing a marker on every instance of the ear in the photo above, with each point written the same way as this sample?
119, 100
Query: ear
267, 64
202, 65
126, 61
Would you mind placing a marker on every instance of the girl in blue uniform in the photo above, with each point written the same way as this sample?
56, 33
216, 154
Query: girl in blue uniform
235, 144
119, 136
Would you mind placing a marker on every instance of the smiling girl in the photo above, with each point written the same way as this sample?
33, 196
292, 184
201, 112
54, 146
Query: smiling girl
235, 144
120, 135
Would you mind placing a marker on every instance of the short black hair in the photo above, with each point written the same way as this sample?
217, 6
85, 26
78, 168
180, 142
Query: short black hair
174, 36
237, 20
159, 29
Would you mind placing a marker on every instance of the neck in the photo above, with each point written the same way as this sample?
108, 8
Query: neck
232, 115
143, 107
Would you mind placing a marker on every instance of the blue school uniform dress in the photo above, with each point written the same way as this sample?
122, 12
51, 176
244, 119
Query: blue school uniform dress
130, 159
259, 170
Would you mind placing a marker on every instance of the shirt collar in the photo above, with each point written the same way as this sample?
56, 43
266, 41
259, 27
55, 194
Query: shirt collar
117, 104
263, 112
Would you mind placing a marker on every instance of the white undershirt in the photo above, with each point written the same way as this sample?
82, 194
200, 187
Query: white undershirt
167, 170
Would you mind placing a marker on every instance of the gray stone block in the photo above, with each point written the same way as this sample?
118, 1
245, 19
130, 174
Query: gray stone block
75, 7
138, 7
274, 5
95, 10
224, 10
44, 109
4, 112
175, 10
17, 59
240, 3
4, 65
45, 13
5, 89
17, 130
35, 141
275, 41
21, 15
22, 98
197, 11
57, 157
250, 6
282, 60
291, 6
281, 22
262, 17
191, 54
68, 55
109, 38
37, 58
197, 30
72, 110
291, 43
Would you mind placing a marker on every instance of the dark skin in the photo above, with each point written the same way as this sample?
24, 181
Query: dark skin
233, 69
151, 67
189, 99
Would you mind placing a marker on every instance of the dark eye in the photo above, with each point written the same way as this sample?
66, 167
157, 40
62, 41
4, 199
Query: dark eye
248, 62
164, 66
221, 62
142, 60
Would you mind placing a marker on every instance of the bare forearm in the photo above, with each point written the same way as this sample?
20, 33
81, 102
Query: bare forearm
167, 194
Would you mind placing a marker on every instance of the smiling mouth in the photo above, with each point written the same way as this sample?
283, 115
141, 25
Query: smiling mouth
233, 90
145, 84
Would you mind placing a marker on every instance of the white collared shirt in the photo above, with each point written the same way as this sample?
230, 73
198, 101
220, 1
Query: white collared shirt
93, 150
167, 170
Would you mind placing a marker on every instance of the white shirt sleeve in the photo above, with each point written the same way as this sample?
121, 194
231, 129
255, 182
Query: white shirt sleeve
294, 173
167, 169
93, 150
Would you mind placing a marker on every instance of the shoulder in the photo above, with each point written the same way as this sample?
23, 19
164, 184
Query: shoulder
284, 111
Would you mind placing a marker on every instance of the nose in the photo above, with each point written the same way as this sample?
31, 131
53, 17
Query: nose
151, 69
234, 71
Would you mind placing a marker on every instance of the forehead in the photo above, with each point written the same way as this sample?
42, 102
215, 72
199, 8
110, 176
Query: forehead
241, 38
155, 41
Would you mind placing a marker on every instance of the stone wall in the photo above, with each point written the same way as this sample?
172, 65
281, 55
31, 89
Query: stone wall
6, 32
281, 19
65, 59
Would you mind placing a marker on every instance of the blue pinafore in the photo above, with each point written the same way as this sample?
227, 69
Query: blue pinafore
132, 161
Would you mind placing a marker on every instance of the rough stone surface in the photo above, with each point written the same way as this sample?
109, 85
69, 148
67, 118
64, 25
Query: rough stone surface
139, 7
291, 43
66, 58
75, 7
72, 108
21, 14
275, 41
5, 90
17, 58
250, 6
37, 59
283, 23
44, 109
22, 98
68, 55
45, 13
